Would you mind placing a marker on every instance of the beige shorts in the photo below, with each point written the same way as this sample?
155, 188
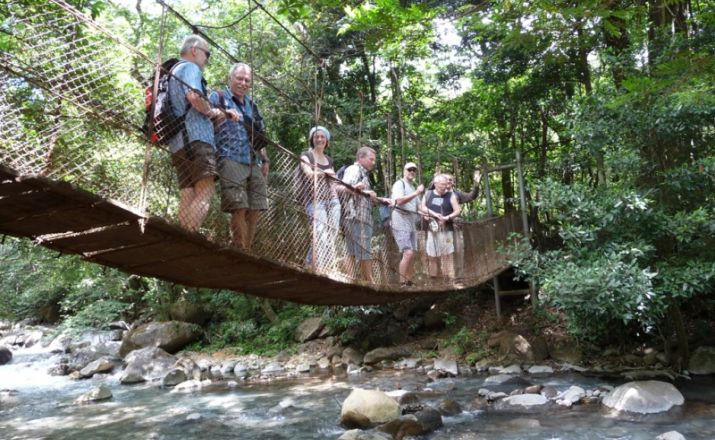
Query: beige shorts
194, 162
242, 186
440, 243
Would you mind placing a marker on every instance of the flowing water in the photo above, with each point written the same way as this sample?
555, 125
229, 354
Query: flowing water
40, 407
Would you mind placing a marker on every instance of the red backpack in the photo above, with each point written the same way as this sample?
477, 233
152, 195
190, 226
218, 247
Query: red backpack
160, 122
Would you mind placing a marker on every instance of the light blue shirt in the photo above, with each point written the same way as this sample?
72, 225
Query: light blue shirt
232, 140
198, 126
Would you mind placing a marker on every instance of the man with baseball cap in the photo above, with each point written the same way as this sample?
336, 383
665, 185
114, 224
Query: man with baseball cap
404, 219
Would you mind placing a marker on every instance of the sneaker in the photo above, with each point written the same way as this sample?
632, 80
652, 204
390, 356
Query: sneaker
407, 285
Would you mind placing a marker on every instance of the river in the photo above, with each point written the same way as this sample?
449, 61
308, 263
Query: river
35, 405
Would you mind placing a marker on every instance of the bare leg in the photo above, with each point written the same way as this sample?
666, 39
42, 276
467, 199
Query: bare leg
203, 190
186, 198
239, 228
252, 216
406, 265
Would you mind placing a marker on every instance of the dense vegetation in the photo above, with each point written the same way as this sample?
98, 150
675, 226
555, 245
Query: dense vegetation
611, 102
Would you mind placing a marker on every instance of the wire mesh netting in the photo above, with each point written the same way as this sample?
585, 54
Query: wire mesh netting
73, 98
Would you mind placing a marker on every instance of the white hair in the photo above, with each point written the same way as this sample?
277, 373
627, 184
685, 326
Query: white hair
192, 41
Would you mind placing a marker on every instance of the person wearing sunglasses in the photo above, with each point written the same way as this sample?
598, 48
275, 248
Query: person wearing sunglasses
193, 148
404, 219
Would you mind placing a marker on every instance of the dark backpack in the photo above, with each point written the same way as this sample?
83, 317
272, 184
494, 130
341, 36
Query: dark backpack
160, 122
341, 172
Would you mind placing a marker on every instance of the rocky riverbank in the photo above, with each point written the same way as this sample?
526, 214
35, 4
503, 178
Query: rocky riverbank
513, 376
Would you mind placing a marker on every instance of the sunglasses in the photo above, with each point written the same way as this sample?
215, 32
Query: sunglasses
208, 53
412, 170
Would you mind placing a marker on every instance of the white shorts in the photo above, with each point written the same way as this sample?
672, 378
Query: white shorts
440, 243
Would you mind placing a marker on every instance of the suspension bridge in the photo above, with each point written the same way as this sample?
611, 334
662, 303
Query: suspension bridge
78, 176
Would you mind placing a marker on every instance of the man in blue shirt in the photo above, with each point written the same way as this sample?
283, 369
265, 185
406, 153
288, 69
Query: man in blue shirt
192, 149
241, 168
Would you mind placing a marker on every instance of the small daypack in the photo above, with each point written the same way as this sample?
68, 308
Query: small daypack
160, 122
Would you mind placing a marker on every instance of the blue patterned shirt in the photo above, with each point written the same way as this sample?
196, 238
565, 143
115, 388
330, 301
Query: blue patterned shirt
198, 126
232, 140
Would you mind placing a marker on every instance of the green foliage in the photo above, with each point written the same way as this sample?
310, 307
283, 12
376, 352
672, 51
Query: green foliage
466, 342
239, 323
35, 282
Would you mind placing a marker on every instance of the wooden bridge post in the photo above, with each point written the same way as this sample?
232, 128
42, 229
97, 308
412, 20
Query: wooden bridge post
490, 213
524, 218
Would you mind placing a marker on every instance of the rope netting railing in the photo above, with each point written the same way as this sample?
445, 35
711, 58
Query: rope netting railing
72, 104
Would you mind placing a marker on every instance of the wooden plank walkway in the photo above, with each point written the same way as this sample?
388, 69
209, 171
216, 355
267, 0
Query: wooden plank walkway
70, 220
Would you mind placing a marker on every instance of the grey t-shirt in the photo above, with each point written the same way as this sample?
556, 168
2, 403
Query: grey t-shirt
401, 219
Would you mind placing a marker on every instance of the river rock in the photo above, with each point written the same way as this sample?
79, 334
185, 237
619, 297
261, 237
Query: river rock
358, 434
5, 355
101, 365
352, 356
173, 378
146, 364
308, 329
645, 397
702, 361
419, 423
385, 354
670, 435
102, 392
449, 407
374, 406
571, 396
185, 311
540, 369
565, 349
272, 369
517, 348
448, 366
505, 379
170, 336
524, 400
511, 369
190, 368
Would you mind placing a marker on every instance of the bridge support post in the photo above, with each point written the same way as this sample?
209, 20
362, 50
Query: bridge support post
490, 213
525, 218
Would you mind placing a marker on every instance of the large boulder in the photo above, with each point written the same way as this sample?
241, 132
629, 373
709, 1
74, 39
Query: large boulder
357, 434
515, 347
185, 311
146, 364
385, 354
308, 329
170, 336
370, 406
102, 392
644, 397
5, 355
420, 423
703, 361
101, 365
565, 349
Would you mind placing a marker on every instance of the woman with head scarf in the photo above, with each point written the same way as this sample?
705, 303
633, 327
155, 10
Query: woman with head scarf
322, 203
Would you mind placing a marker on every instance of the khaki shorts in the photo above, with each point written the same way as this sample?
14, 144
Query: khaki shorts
242, 186
440, 243
193, 163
